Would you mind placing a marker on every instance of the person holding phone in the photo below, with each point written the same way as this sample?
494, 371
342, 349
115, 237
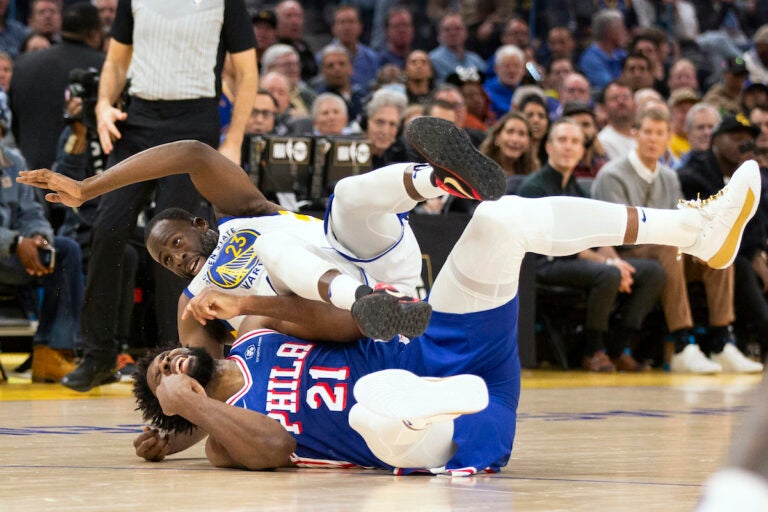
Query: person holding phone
30, 257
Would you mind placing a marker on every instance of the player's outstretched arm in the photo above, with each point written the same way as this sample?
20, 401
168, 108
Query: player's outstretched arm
307, 319
238, 437
218, 179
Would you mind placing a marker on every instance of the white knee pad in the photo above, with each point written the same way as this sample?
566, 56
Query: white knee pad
400, 446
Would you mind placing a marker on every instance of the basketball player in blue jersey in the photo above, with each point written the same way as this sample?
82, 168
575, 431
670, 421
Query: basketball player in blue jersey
444, 401
333, 262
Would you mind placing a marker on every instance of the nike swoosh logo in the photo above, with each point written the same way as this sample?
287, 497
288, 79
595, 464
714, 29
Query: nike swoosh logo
643, 218
457, 186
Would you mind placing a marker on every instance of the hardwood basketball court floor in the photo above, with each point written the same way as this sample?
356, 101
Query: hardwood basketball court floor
584, 443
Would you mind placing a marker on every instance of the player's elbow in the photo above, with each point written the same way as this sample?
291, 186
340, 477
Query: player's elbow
194, 149
259, 456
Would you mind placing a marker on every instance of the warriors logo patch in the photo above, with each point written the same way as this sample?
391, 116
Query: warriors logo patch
236, 260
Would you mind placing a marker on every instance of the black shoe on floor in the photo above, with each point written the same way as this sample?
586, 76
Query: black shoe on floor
25, 366
383, 313
460, 169
90, 373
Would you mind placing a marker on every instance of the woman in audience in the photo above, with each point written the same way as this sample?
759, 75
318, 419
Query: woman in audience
509, 144
534, 109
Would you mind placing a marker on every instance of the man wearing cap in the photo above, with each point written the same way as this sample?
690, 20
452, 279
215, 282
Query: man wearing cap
733, 144
754, 94
756, 58
264, 30
726, 95
680, 102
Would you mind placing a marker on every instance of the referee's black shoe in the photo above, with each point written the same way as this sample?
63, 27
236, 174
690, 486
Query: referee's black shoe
459, 168
383, 312
91, 372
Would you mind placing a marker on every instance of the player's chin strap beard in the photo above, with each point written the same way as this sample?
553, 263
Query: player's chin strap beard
633, 224
410, 189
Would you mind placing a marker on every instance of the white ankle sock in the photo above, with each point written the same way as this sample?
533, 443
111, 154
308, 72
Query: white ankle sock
678, 228
422, 182
341, 291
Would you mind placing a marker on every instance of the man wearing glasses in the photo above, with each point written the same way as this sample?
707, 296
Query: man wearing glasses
260, 122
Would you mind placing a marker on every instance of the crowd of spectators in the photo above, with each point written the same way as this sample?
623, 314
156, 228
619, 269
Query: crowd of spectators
653, 91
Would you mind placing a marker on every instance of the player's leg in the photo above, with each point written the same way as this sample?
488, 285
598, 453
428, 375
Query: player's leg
315, 273
407, 421
361, 213
482, 270
364, 222
362, 219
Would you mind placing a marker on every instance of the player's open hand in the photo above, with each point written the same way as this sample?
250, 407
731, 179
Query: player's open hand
65, 190
211, 304
152, 444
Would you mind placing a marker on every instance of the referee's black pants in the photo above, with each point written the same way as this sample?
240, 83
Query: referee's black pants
149, 124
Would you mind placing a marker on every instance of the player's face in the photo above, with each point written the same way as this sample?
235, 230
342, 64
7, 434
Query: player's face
181, 246
195, 362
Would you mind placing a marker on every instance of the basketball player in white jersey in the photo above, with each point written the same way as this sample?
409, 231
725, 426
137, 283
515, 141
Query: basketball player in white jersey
365, 242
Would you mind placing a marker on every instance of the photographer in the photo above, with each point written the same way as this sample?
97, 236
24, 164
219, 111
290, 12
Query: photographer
39, 78
31, 256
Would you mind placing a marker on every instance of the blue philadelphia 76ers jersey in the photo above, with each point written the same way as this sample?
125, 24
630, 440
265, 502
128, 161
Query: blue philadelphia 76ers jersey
308, 387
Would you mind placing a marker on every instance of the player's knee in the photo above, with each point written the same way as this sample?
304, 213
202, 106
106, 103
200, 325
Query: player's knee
348, 195
502, 217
